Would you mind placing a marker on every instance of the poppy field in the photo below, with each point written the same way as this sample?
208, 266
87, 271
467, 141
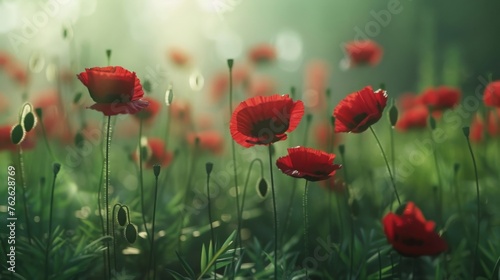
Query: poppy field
139, 150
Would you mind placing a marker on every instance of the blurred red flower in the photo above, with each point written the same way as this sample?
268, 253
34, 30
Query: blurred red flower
219, 86
491, 95
53, 118
114, 89
13, 68
316, 81
411, 235
6, 143
261, 86
156, 154
441, 98
363, 53
415, 117
476, 129
409, 100
359, 110
494, 122
181, 111
178, 56
211, 141
149, 113
263, 120
323, 134
262, 53
307, 163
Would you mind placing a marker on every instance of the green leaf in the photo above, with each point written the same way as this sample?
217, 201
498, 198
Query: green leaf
203, 259
186, 266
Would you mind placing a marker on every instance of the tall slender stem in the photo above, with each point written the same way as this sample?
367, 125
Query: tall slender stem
387, 164
440, 180
23, 188
106, 191
275, 214
186, 192
393, 157
478, 201
306, 224
210, 220
141, 178
49, 239
151, 251
351, 217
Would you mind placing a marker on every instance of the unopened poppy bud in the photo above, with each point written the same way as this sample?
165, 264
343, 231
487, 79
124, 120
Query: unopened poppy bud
17, 134
147, 86
108, 53
38, 112
208, 167
292, 92
77, 97
156, 170
456, 167
432, 122
29, 121
262, 188
56, 168
342, 149
230, 63
65, 33
466, 131
121, 216
393, 115
130, 233
309, 118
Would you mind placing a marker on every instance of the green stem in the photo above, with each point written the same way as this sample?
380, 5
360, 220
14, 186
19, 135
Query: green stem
351, 217
387, 164
393, 158
106, 192
478, 201
210, 220
440, 180
141, 178
49, 240
151, 251
289, 211
275, 214
23, 188
247, 180
306, 225
233, 150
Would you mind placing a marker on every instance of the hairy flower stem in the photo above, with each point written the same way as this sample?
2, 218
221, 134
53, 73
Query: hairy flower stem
141, 178
478, 201
275, 214
106, 192
387, 164
23, 189
393, 158
306, 224
151, 251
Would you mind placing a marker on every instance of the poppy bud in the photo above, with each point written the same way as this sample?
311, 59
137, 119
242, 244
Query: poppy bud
156, 170
432, 122
79, 140
122, 216
130, 233
65, 33
29, 121
38, 112
272, 150
147, 86
342, 149
292, 92
77, 97
328, 93
456, 167
17, 134
230, 63
393, 115
56, 167
208, 167
169, 96
262, 188
332, 120
108, 53
466, 131
309, 118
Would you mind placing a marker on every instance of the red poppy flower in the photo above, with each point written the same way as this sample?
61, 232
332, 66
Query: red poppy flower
261, 86
359, 110
148, 113
307, 163
178, 56
263, 120
156, 154
411, 235
408, 101
415, 117
4, 58
114, 89
476, 129
363, 52
6, 143
211, 141
262, 53
492, 94
494, 122
441, 98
